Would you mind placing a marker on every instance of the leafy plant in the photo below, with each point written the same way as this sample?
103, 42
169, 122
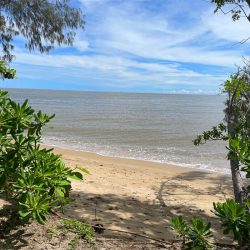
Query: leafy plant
235, 218
5, 72
181, 227
81, 231
199, 234
195, 235
33, 177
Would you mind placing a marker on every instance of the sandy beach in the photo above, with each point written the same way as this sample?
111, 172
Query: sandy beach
126, 195
142, 197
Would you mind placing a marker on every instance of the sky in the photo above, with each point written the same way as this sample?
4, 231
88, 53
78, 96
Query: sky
155, 46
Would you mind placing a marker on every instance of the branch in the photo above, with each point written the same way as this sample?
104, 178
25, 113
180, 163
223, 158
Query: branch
248, 2
225, 13
242, 9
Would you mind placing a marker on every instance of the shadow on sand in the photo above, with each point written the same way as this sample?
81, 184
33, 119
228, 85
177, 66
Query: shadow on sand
150, 217
12, 234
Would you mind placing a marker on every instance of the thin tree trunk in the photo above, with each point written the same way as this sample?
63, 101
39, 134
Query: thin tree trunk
234, 163
236, 178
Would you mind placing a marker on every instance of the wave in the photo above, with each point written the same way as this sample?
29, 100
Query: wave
159, 155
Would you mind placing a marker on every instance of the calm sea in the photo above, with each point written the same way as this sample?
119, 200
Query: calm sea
151, 127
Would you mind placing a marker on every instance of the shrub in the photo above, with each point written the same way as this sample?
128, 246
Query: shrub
33, 177
194, 235
235, 219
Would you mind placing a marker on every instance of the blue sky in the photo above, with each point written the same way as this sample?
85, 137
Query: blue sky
164, 46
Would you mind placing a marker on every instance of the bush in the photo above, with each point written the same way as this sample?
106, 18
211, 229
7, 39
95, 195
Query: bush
33, 177
195, 235
235, 219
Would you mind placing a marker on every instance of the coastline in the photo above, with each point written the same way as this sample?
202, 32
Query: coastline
141, 196
193, 166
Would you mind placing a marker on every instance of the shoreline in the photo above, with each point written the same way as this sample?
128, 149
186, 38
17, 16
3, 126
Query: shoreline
172, 164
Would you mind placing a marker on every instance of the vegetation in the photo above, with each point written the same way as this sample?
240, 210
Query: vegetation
34, 177
81, 231
235, 129
235, 215
5, 72
195, 235
235, 219
57, 20
237, 8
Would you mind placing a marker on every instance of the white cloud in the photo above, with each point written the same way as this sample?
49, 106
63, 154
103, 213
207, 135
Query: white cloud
133, 42
123, 70
81, 45
224, 28
125, 29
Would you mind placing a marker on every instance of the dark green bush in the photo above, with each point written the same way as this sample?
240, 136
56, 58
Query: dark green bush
235, 219
33, 177
195, 235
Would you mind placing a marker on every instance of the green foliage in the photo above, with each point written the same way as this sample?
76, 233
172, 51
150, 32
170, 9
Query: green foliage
237, 108
42, 24
181, 228
34, 177
235, 218
216, 133
195, 235
238, 8
5, 72
236, 85
82, 231
240, 146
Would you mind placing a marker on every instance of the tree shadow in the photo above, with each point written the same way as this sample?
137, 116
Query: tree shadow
173, 197
219, 184
12, 234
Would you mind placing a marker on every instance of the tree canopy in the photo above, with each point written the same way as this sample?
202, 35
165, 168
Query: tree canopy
43, 24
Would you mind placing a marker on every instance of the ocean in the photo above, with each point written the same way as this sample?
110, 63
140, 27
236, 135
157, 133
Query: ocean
151, 127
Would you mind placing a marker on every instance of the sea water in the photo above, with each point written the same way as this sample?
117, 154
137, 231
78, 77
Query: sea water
151, 127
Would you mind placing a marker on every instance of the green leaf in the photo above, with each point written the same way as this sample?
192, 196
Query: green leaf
76, 176
24, 214
84, 170
60, 192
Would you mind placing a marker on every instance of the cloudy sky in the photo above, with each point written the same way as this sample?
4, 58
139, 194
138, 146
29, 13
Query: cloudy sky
164, 46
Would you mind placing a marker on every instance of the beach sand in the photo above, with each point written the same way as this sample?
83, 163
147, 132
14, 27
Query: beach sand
137, 197
142, 197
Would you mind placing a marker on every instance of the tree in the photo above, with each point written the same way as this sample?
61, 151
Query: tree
235, 104
236, 126
237, 8
43, 24
233, 214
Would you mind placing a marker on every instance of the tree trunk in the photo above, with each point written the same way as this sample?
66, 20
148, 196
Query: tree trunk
234, 163
236, 178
